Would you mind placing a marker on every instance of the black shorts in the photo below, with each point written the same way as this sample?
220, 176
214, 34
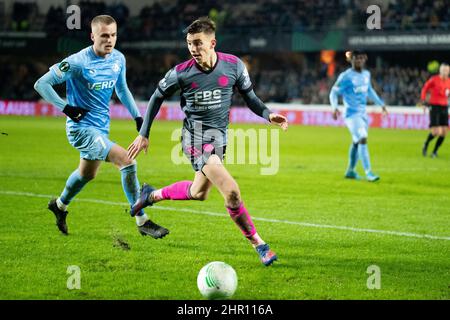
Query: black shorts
438, 116
199, 153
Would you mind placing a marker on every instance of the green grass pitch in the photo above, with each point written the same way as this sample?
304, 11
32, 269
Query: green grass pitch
318, 260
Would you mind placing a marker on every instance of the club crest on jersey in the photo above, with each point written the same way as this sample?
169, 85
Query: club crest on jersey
102, 85
116, 67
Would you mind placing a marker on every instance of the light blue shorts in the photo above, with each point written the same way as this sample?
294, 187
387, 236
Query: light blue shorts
92, 144
358, 126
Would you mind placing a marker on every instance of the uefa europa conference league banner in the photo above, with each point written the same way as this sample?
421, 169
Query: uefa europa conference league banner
307, 115
249, 42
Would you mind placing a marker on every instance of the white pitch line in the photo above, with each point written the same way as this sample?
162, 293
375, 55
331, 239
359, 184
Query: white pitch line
209, 213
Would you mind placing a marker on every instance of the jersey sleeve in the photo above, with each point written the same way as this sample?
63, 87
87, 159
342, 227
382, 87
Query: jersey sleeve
65, 69
374, 96
255, 104
426, 87
341, 83
123, 92
169, 84
57, 74
153, 106
337, 89
243, 83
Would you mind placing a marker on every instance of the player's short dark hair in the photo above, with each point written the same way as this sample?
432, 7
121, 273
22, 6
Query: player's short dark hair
355, 53
104, 18
203, 24
444, 64
351, 54
358, 53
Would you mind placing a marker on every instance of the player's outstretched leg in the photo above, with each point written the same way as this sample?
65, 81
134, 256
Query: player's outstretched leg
149, 195
176, 191
220, 177
242, 219
144, 200
352, 161
74, 185
181, 190
130, 186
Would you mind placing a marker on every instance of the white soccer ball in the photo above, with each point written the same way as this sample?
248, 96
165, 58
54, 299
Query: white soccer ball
217, 280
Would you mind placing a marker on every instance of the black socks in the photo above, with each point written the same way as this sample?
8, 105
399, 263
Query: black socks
438, 143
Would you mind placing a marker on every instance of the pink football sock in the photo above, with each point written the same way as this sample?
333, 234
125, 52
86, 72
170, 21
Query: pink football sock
176, 191
243, 220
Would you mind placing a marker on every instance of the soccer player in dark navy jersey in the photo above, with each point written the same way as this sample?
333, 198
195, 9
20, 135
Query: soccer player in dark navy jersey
91, 76
206, 87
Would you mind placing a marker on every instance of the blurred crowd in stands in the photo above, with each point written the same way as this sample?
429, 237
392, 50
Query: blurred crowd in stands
294, 78
164, 16
281, 81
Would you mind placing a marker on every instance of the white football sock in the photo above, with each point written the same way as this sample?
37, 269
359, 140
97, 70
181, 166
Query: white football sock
140, 220
61, 205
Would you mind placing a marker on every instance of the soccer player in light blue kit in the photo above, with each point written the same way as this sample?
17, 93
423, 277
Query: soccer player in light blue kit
355, 86
91, 75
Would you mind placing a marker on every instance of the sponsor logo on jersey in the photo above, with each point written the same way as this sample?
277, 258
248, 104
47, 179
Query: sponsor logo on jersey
360, 89
208, 97
102, 85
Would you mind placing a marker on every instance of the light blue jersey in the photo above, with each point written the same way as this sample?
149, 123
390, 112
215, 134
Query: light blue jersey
355, 87
90, 81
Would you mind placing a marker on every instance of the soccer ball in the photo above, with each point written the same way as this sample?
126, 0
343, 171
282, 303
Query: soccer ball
217, 280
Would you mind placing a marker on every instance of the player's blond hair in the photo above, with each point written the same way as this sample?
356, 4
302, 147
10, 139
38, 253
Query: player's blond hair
103, 19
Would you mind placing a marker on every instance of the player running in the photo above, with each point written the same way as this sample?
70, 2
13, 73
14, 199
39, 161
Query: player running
439, 88
91, 75
355, 86
206, 84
